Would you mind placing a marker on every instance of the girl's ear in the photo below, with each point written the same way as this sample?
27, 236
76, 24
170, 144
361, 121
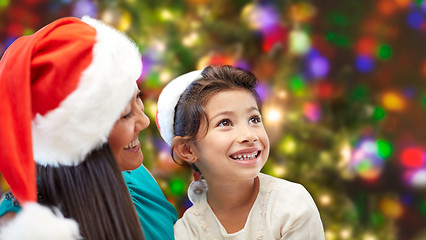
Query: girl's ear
184, 150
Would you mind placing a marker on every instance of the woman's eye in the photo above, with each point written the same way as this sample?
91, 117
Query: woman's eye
255, 119
128, 115
139, 95
224, 123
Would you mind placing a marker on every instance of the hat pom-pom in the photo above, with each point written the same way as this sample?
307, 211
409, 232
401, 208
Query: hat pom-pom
35, 222
196, 190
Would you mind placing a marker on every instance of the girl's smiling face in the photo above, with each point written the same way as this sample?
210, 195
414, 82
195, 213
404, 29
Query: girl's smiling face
123, 138
235, 146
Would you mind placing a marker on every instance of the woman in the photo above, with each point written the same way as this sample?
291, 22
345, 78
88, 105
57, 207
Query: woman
156, 214
63, 89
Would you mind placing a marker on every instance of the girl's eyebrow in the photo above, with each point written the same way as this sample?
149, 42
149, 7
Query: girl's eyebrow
253, 109
224, 113
229, 113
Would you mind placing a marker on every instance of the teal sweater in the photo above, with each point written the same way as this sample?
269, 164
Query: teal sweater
156, 214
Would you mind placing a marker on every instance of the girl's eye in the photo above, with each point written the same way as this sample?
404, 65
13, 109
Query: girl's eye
224, 123
255, 119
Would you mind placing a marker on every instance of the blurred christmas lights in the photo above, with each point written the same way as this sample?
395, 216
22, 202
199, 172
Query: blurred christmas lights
340, 85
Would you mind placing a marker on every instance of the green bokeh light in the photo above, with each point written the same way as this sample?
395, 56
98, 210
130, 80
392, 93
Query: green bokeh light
364, 166
288, 145
338, 39
384, 148
377, 219
153, 81
338, 19
27, 31
297, 85
177, 186
4, 3
379, 113
418, 2
358, 93
384, 51
423, 207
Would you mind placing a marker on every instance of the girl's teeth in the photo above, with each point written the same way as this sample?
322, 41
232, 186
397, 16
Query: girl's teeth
245, 156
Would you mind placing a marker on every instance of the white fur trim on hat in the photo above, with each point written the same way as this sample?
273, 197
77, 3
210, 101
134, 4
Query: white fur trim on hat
84, 119
36, 222
167, 103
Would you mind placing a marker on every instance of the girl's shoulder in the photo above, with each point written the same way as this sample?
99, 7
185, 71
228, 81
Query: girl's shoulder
278, 184
285, 192
290, 205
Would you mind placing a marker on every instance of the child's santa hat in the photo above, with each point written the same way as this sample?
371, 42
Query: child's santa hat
168, 100
61, 91
166, 109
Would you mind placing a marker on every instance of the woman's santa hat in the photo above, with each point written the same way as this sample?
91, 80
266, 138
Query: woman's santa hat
61, 91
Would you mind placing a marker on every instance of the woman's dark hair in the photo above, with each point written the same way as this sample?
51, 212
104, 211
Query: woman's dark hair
88, 193
189, 110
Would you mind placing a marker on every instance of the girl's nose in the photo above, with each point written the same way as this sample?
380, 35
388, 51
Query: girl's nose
247, 135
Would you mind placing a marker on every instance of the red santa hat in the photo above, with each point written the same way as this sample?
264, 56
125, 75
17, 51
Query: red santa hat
61, 91
167, 101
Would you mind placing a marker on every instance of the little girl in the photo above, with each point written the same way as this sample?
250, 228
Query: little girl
212, 121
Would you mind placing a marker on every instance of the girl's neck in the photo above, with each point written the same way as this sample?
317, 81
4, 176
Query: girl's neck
230, 195
232, 203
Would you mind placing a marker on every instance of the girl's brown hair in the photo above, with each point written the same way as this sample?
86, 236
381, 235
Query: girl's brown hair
189, 111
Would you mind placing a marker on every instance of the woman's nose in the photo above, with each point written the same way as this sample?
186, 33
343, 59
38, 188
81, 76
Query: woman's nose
142, 121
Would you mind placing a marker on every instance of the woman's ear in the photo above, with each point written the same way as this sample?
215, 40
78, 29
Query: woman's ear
184, 150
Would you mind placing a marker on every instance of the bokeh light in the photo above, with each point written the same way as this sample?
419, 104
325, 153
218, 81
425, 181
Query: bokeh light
379, 113
297, 85
302, 11
393, 101
364, 63
318, 66
418, 179
299, 42
366, 160
384, 149
415, 19
366, 46
177, 186
273, 115
391, 208
384, 52
84, 7
312, 111
288, 145
412, 157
